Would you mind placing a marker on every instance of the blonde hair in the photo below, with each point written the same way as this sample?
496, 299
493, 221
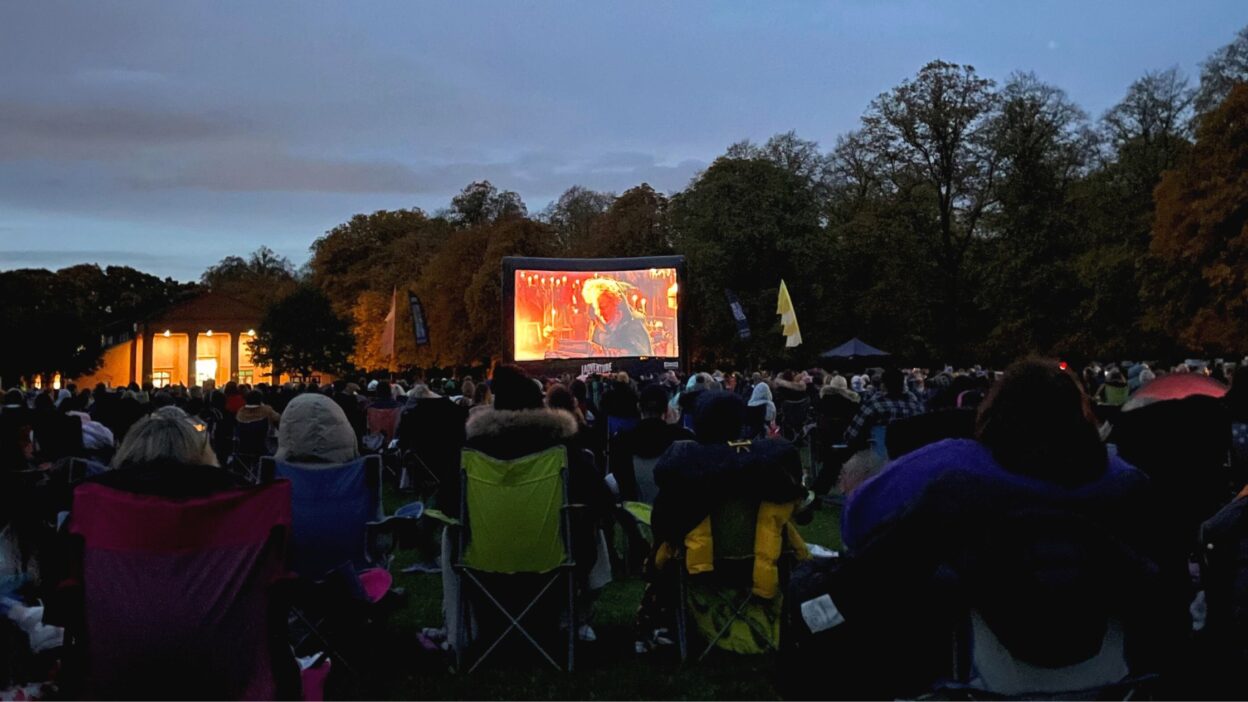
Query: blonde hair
169, 434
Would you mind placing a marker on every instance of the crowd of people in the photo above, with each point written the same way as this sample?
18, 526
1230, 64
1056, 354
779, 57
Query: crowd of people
1066, 529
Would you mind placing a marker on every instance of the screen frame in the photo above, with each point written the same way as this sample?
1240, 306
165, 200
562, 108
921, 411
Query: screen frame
631, 364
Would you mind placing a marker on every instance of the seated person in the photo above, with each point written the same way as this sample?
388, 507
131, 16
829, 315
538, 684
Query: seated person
895, 402
696, 477
649, 439
1031, 531
255, 410
315, 430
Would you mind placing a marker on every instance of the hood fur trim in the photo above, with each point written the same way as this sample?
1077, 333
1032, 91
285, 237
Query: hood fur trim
554, 424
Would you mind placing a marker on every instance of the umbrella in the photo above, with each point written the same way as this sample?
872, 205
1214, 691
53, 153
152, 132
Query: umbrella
1175, 386
854, 348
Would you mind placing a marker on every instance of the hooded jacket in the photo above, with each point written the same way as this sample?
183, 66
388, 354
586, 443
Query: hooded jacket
314, 429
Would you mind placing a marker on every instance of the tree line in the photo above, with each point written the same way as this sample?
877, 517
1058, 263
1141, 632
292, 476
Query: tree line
963, 220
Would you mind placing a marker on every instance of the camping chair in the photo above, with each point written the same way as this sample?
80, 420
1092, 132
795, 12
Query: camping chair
83, 468
615, 425
633, 516
722, 602
175, 597
383, 427
340, 543
514, 521
251, 443
879, 441
793, 415
755, 422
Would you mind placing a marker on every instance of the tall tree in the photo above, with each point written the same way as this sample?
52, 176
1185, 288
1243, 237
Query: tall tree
348, 258
480, 203
634, 225
574, 214
301, 334
933, 137
261, 278
1200, 236
1223, 70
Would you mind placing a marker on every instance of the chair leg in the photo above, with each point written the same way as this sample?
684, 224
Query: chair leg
571, 619
682, 634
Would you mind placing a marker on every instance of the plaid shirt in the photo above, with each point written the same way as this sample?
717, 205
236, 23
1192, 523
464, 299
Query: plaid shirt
880, 410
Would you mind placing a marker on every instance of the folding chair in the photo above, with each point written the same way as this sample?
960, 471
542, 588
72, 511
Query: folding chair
176, 597
615, 425
514, 520
83, 468
793, 415
341, 543
728, 612
251, 443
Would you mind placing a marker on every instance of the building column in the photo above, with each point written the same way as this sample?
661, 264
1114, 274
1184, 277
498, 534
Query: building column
135, 372
192, 353
149, 340
236, 338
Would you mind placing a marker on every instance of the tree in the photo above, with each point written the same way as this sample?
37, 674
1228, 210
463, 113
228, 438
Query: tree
1029, 283
262, 278
574, 214
480, 203
348, 259
743, 225
932, 135
301, 334
1200, 235
634, 225
1223, 70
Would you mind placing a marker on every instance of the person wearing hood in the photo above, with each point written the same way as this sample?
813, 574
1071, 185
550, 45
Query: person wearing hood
315, 432
761, 396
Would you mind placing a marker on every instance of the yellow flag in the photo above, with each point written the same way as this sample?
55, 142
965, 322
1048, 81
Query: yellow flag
788, 318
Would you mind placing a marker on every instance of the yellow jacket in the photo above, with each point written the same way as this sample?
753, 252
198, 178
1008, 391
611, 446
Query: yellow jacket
770, 533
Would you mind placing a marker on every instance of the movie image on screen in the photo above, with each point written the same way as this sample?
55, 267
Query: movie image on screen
595, 314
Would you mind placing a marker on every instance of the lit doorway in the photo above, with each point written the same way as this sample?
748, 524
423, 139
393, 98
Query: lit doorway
205, 369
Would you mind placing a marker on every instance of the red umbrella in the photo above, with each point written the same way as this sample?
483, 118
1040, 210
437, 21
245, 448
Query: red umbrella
1175, 386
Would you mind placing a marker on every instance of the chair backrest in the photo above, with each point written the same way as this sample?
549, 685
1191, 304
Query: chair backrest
331, 506
515, 512
643, 473
384, 421
755, 421
59, 436
252, 437
615, 425
176, 591
879, 444
793, 412
733, 526
81, 468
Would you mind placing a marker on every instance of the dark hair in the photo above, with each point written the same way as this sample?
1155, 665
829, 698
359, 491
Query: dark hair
559, 397
654, 399
894, 381
254, 397
14, 397
1237, 396
514, 390
718, 417
1038, 422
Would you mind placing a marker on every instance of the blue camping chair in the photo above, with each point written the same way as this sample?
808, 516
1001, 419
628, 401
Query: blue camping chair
341, 542
615, 425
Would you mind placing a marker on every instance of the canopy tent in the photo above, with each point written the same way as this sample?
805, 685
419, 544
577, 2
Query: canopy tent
1174, 386
854, 349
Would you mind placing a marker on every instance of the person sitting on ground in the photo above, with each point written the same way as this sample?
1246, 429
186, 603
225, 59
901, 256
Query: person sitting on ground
255, 410
895, 402
648, 440
315, 431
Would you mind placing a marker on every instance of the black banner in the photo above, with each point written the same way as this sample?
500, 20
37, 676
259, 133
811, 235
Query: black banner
419, 329
738, 313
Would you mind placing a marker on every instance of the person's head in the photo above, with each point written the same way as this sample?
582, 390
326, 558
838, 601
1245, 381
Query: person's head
760, 395
162, 399
14, 398
838, 382
718, 417
481, 394
254, 398
314, 429
514, 390
653, 401
894, 382
1038, 421
383, 390
166, 436
468, 388
196, 392
560, 397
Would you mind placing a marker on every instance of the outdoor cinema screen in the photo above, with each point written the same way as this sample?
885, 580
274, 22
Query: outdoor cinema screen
575, 314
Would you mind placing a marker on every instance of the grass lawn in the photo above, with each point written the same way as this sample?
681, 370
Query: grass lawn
606, 669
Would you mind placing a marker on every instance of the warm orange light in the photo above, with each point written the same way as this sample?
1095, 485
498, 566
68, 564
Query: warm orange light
251, 332
166, 333
208, 333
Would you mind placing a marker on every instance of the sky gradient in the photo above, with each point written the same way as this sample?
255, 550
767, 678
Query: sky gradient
166, 135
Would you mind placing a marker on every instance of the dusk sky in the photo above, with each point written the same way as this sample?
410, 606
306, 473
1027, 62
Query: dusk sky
166, 135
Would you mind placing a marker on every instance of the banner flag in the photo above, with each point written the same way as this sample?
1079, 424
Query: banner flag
738, 314
788, 318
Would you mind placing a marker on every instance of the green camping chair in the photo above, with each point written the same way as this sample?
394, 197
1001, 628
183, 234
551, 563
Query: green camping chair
514, 519
721, 604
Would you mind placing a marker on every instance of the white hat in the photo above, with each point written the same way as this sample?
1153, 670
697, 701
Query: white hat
372, 386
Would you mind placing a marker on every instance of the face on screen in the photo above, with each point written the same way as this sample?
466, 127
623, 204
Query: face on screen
594, 314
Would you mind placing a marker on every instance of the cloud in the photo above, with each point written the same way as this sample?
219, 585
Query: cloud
61, 258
